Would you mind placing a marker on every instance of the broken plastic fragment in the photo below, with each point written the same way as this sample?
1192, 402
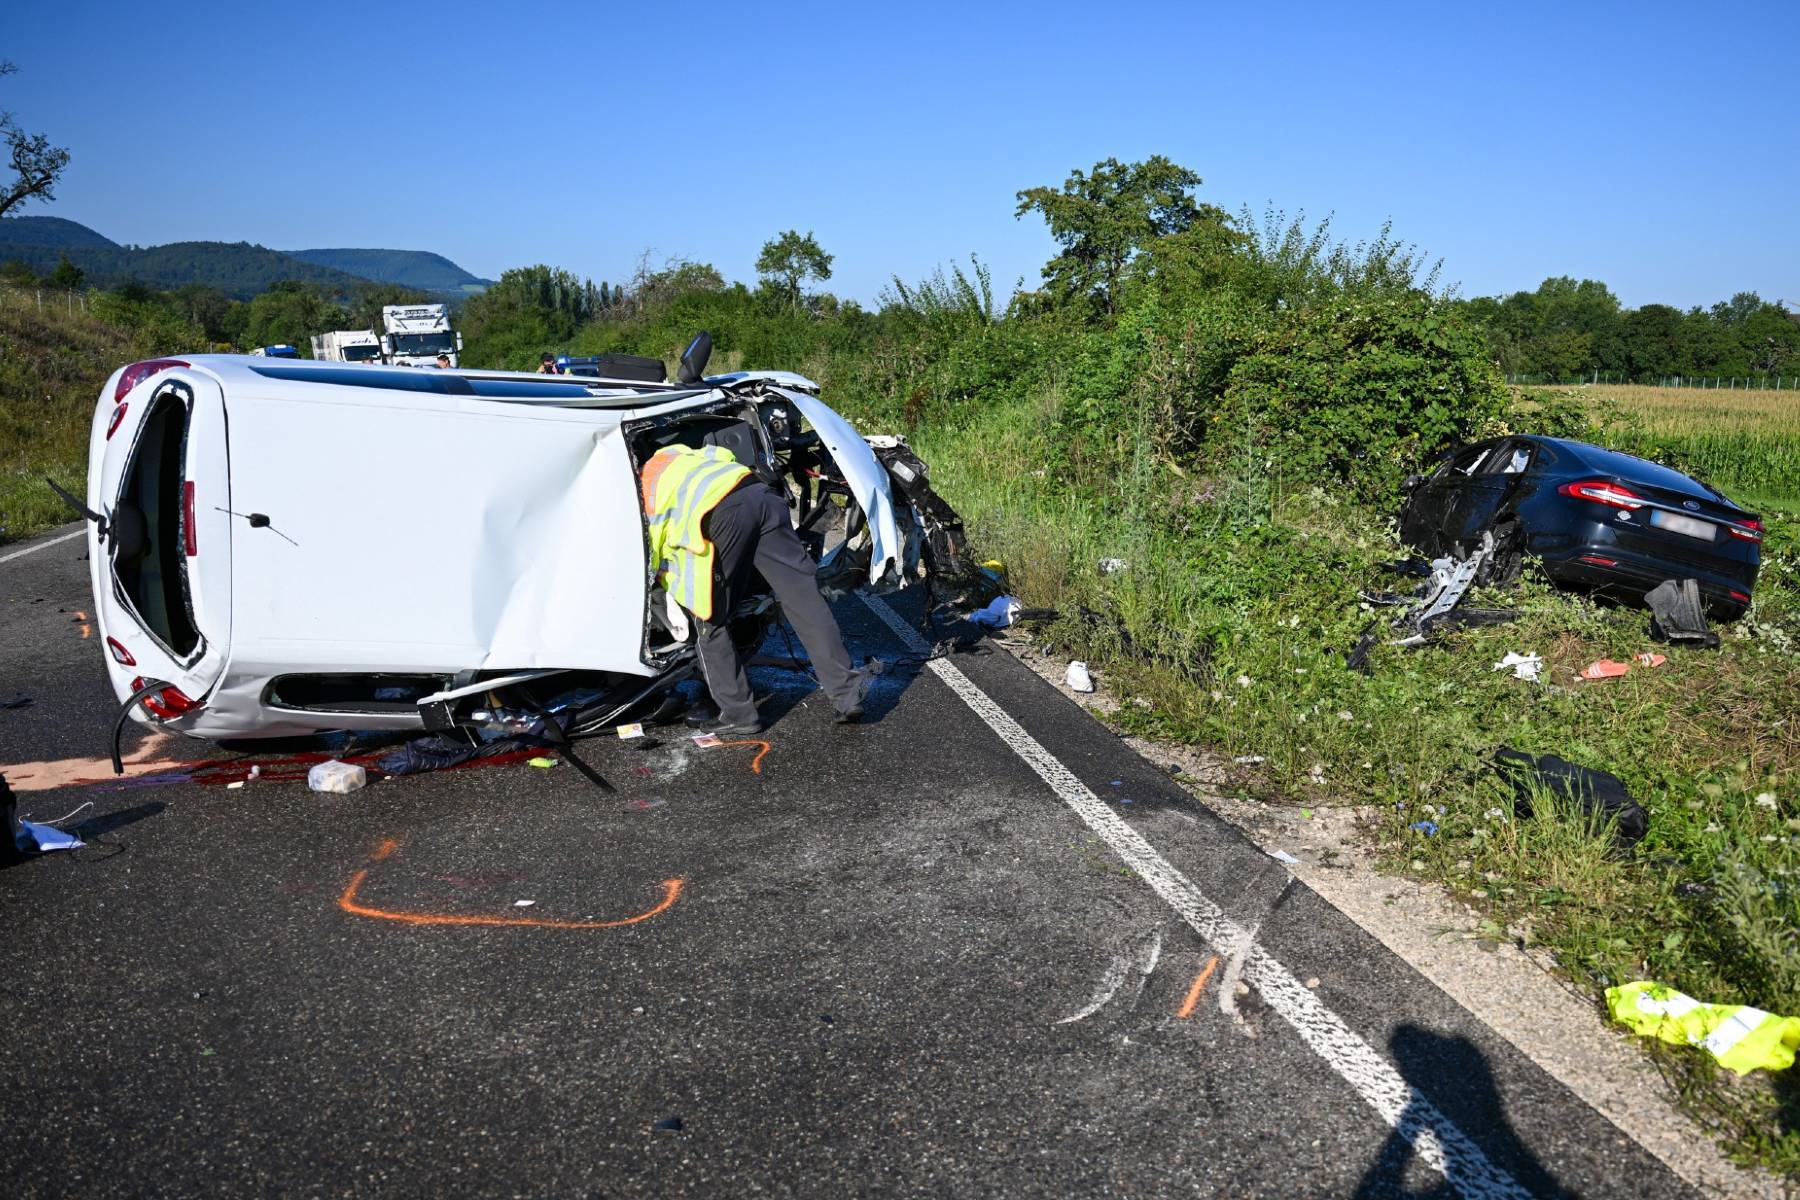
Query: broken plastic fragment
523, 903
1425, 827
1284, 856
540, 762
1523, 666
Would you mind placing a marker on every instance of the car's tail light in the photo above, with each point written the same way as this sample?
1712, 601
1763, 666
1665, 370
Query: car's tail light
189, 534
1602, 492
1737, 595
1750, 529
120, 654
1598, 561
118, 415
168, 703
136, 373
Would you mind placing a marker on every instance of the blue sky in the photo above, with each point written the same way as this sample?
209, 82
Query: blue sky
1655, 147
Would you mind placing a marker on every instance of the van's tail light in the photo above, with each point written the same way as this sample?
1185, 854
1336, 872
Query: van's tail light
120, 654
1601, 491
112, 426
1750, 529
189, 534
168, 703
136, 373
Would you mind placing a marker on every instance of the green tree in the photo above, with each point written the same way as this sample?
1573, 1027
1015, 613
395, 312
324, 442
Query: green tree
67, 276
17, 272
36, 164
366, 303
290, 313
1104, 218
791, 259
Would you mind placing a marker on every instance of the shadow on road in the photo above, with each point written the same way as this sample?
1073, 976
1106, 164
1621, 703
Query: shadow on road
1454, 1075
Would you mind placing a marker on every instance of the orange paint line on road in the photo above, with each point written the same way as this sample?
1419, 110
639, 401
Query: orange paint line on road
1193, 997
755, 763
385, 849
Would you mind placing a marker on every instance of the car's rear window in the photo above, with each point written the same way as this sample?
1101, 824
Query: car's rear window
154, 580
1631, 467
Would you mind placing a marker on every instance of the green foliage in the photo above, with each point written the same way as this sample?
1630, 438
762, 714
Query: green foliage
1102, 219
67, 276
789, 260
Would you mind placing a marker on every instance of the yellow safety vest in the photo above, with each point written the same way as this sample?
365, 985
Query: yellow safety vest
1739, 1036
680, 486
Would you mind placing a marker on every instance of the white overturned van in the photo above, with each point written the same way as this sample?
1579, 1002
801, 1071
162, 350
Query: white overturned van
284, 547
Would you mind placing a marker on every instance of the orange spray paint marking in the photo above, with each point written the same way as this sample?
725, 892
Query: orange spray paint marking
349, 903
755, 763
1193, 997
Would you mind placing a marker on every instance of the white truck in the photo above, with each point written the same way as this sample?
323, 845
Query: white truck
415, 334
347, 345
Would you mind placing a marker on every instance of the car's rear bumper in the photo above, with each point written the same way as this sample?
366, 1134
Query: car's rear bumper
1616, 571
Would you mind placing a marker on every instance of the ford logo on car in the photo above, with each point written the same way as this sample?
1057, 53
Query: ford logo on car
1692, 505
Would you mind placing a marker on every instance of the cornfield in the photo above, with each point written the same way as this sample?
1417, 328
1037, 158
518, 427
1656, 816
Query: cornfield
1744, 442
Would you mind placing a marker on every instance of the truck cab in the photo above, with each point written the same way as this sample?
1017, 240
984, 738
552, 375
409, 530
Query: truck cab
415, 334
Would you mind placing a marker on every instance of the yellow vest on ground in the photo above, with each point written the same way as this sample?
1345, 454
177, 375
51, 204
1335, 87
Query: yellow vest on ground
1739, 1036
680, 486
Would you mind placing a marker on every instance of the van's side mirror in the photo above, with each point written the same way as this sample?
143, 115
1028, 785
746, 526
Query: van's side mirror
1411, 483
693, 359
459, 341
387, 347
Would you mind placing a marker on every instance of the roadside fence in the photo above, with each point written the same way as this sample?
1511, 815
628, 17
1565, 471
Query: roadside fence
1773, 383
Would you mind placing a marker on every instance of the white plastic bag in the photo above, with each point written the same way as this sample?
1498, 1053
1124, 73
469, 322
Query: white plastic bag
998, 615
335, 776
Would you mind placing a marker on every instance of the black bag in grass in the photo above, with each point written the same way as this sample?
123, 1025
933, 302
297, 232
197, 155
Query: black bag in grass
1600, 794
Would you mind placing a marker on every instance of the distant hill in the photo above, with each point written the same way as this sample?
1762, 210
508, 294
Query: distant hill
410, 268
239, 269
49, 231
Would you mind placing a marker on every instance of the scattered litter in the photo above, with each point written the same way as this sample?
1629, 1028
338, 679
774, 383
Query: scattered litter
1249, 760
335, 776
1117, 783
634, 730
540, 762
1284, 856
1602, 796
237, 784
255, 773
1078, 678
1112, 566
999, 613
20, 702
1306, 814
668, 1125
1523, 666
1313, 982
44, 838
1742, 1038
1428, 828
523, 903
705, 740
1676, 614
1606, 668
1647, 659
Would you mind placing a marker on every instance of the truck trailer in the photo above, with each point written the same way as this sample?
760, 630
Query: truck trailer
347, 345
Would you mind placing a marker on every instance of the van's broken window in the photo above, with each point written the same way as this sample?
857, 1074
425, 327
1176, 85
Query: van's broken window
153, 578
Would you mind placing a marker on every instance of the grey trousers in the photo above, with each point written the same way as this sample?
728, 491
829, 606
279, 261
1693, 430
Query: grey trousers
752, 536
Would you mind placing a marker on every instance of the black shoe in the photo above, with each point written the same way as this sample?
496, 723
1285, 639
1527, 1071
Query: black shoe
702, 714
725, 729
850, 716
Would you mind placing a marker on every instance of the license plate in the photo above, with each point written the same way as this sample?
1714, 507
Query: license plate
1693, 527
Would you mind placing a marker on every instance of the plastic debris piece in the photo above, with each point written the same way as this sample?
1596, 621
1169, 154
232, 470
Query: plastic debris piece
44, 838
1306, 814
21, 702
1677, 615
634, 730
1284, 856
523, 903
1112, 566
1601, 795
1742, 1038
1606, 668
1647, 659
705, 740
255, 773
1078, 678
999, 613
1523, 666
1425, 827
338, 777
668, 1125
237, 784
1249, 760
540, 762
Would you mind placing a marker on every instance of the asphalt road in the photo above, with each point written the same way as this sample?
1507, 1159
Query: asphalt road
955, 951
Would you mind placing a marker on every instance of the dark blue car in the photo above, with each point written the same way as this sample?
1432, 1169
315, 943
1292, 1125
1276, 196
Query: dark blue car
1609, 522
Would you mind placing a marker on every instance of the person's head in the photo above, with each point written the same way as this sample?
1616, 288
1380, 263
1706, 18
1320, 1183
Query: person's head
548, 362
443, 360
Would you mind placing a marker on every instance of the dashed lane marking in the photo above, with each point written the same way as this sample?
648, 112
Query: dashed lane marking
1439, 1143
55, 541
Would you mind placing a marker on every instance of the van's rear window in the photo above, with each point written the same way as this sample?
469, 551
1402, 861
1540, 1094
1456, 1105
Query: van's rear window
154, 578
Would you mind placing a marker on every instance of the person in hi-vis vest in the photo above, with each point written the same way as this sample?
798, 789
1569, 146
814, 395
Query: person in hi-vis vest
712, 523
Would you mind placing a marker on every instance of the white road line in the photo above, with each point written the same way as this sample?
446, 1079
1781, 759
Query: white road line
55, 541
1436, 1140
